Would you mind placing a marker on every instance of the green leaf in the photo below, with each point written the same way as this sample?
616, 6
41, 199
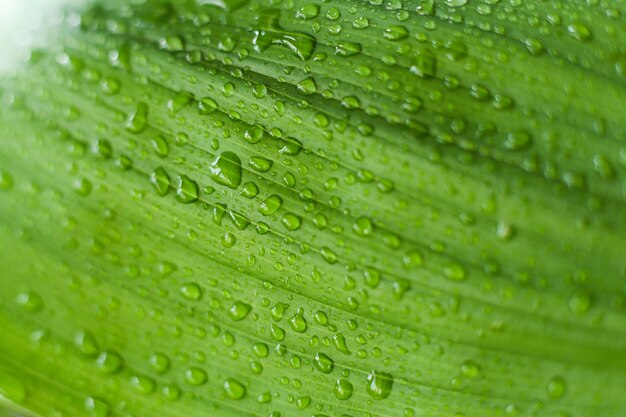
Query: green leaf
363, 209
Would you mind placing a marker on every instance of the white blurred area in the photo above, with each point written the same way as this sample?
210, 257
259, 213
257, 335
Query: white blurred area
27, 23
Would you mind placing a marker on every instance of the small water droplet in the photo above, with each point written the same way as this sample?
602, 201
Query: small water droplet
470, 369
556, 387
455, 272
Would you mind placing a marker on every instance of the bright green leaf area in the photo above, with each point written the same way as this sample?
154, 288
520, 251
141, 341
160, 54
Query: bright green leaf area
383, 208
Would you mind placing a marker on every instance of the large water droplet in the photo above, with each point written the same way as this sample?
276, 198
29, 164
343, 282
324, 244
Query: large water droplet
234, 389
239, 310
226, 169
379, 384
343, 389
323, 363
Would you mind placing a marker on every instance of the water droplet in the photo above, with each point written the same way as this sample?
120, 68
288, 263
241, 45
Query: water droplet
323, 363
160, 362
207, 106
259, 90
160, 146
86, 343
413, 259
270, 33
303, 402
290, 146
260, 349
298, 322
470, 369
138, 119
142, 384
270, 205
603, 167
395, 33
226, 169
534, 46
455, 272
83, 187
363, 226
278, 310
234, 389
517, 140
240, 221
372, 277
343, 389
455, 49
379, 384
250, 190
110, 86
361, 23
307, 86
504, 230
186, 190
172, 43
308, 11
260, 164
103, 149
239, 310
195, 376
556, 387
456, 3
321, 318
291, 221
191, 291
97, 407
579, 31
339, 341
277, 332
424, 64
425, 7
29, 300
109, 362
171, 392
264, 398
580, 302
160, 181
345, 49
179, 101
329, 255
